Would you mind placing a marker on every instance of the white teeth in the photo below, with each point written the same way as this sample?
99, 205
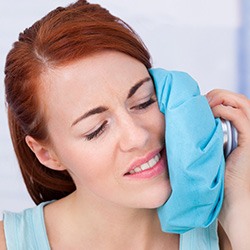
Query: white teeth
152, 162
146, 165
157, 157
137, 169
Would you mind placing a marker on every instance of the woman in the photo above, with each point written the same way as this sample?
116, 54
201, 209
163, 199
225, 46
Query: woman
84, 119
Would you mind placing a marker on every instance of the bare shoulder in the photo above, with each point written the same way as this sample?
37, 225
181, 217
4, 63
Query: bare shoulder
223, 239
2, 237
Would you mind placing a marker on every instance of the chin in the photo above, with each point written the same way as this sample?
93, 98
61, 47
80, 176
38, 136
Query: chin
155, 199
157, 202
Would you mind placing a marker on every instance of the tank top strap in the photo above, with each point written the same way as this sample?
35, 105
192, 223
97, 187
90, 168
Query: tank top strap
200, 238
26, 230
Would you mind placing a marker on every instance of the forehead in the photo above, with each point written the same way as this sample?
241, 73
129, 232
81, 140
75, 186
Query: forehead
91, 81
104, 71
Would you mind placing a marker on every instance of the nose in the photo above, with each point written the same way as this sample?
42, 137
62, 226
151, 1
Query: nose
133, 133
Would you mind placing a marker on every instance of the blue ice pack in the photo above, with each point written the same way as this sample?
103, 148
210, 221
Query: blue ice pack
194, 147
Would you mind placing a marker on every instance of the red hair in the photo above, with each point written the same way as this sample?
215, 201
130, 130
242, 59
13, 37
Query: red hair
61, 37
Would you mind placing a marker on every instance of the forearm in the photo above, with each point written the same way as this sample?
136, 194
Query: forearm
235, 213
236, 221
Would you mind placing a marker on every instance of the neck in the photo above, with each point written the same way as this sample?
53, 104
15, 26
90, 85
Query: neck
113, 217
113, 226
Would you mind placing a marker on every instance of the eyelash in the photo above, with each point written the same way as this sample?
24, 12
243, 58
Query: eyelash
97, 132
144, 105
101, 129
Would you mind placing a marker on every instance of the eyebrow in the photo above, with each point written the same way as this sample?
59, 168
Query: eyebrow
93, 111
102, 109
137, 86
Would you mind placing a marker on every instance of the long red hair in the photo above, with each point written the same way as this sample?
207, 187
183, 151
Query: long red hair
61, 37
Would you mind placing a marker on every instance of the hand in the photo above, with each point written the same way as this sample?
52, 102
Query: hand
235, 213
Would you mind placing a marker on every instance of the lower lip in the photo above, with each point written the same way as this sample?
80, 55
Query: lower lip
158, 169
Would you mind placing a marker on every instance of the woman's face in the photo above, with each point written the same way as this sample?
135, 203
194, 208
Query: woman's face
107, 131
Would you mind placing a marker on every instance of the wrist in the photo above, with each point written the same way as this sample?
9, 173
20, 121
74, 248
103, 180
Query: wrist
235, 219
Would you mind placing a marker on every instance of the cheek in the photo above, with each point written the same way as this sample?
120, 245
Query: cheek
158, 122
85, 161
86, 164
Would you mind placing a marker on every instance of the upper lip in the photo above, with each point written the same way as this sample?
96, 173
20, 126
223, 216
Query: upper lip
143, 159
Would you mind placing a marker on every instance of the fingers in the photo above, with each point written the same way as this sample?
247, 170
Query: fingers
238, 119
227, 98
232, 107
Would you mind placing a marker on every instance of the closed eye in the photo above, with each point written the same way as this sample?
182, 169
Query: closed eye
97, 132
144, 105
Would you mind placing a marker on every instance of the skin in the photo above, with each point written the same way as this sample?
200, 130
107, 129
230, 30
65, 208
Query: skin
129, 134
106, 198
99, 165
2, 238
235, 216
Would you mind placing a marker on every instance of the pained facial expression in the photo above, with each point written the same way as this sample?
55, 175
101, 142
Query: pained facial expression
107, 131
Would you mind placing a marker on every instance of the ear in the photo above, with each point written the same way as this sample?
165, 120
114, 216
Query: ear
44, 154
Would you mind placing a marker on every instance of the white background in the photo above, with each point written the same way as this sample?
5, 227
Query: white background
196, 36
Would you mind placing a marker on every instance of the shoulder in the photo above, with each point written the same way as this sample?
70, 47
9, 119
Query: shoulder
21, 230
223, 239
2, 237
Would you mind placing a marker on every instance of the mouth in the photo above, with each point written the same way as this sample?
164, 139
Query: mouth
151, 163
